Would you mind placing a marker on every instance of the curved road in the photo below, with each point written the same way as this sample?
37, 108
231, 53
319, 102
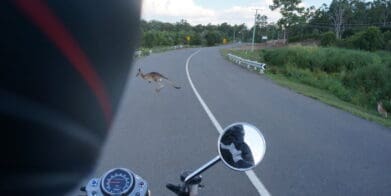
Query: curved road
312, 148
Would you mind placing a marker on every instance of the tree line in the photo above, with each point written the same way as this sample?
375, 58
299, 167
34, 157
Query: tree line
346, 23
156, 33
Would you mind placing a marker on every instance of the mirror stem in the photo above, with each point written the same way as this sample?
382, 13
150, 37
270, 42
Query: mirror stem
202, 168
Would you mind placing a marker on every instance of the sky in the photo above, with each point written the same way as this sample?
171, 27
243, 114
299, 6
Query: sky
213, 11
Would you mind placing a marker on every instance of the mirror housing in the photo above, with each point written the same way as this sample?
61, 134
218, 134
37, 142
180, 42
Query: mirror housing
241, 146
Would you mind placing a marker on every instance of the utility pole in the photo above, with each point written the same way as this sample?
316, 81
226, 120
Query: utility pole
255, 26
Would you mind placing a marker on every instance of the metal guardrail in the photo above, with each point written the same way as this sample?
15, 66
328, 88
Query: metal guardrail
247, 63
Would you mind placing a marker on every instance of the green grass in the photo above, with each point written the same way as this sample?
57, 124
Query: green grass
247, 54
327, 96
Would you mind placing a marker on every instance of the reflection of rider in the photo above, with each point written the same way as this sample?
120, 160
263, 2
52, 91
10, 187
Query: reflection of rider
234, 150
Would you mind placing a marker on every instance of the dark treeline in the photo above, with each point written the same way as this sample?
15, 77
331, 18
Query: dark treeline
156, 33
346, 23
356, 76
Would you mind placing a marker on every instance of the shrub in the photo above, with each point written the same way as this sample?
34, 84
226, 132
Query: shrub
320, 80
359, 77
330, 60
371, 80
348, 32
327, 39
149, 39
272, 69
371, 39
298, 38
196, 39
385, 58
212, 38
387, 104
273, 56
387, 45
292, 39
342, 43
387, 36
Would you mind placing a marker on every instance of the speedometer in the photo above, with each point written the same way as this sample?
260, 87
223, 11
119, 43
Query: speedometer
117, 181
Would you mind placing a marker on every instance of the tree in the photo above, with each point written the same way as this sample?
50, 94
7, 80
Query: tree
195, 39
271, 31
382, 10
321, 15
338, 10
359, 12
327, 39
290, 11
183, 25
371, 39
261, 20
226, 30
149, 39
320, 19
213, 37
243, 32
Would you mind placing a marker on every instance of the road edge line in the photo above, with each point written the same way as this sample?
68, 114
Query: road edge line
250, 174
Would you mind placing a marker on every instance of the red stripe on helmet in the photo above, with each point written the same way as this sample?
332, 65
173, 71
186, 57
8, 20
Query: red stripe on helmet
51, 26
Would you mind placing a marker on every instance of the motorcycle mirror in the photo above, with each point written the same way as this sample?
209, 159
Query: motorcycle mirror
241, 146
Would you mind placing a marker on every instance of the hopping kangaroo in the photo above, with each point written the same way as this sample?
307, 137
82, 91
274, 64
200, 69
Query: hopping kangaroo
156, 77
381, 109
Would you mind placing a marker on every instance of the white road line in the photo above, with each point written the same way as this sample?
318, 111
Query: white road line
257, 183
250, 174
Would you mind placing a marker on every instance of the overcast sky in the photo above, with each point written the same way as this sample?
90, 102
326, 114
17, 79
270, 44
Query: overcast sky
213, 11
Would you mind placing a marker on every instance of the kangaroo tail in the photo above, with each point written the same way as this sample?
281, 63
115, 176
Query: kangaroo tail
172, 83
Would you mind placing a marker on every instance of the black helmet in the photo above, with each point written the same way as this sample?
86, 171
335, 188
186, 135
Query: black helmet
64, 66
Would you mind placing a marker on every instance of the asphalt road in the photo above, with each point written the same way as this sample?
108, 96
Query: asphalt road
312, 148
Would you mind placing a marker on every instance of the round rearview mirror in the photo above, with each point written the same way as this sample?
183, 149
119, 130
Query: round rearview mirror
241, 146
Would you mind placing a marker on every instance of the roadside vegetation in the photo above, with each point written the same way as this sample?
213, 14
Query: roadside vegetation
349, 79
162, 34
338, 53
348, 61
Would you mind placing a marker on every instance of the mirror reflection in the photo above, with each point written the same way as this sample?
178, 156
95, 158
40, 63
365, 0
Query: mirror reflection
241, 146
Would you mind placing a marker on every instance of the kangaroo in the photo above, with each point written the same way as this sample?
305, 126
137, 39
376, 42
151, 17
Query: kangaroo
381, 109
156, 77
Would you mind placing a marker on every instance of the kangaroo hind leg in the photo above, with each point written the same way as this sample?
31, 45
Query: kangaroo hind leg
159, 87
